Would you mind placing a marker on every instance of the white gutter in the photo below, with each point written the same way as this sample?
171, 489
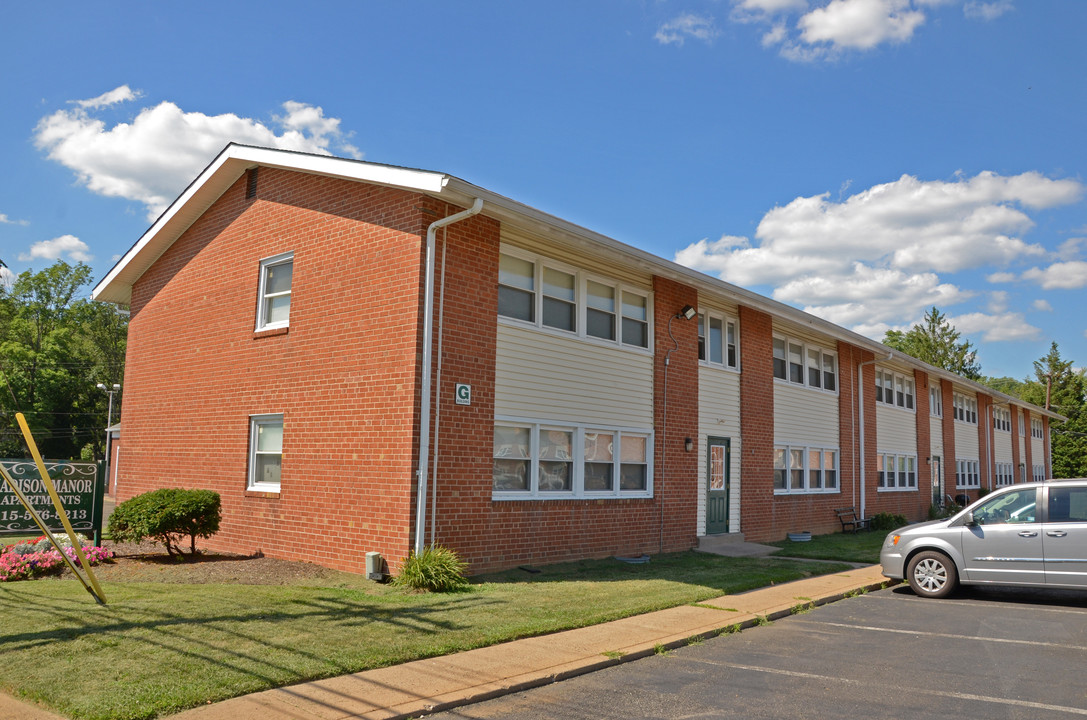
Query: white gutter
428, 354
860, 406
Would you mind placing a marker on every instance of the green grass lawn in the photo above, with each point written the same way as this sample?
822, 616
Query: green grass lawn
845, 547
158, 648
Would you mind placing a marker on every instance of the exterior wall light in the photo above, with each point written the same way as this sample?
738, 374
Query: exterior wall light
687, 312
688, 444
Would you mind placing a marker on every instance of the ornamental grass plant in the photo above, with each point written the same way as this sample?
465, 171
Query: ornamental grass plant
436, 569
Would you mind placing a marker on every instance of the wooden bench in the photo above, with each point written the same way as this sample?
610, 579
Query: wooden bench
847, 516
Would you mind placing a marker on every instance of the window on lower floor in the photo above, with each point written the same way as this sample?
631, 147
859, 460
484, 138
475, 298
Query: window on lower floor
1038, 473
1004, 473
967, 474
801, 469
897, 471
544, 460
265, 452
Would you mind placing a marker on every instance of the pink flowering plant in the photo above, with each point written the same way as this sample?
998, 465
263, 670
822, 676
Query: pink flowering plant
27, 561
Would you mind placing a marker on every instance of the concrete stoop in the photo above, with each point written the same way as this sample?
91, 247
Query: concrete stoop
733, 545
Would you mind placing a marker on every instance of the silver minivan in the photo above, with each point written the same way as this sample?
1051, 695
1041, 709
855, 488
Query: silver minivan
1031, 534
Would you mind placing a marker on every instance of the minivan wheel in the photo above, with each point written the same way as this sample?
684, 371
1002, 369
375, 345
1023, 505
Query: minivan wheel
932, 574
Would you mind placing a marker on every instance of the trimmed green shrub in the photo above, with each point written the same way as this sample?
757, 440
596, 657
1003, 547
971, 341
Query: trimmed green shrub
436, 569
886, 521
167, 516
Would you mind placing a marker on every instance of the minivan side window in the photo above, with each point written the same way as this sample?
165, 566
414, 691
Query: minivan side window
1012, 507
1068, 504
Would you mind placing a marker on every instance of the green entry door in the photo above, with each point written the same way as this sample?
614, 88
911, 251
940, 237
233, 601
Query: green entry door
717, 483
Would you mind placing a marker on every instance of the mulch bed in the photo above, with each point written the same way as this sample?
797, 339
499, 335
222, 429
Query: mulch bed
148, 562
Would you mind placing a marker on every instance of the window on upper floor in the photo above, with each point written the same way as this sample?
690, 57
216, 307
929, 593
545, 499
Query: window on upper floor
1002, 420
897, 472
966, 409
935, 401
717, 340
894, 389
1022, 425
805, 364
274, 295
548, 295
1037, 430
265, 452
800, 469
543, 460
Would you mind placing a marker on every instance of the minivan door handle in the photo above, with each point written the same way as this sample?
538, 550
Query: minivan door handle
1028, 533
1055, 533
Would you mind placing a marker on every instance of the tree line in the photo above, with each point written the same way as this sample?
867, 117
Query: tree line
1055, 385
56, 346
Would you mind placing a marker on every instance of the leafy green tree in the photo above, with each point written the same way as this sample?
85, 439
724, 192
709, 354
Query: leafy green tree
1056, 386
55, 347
936, 341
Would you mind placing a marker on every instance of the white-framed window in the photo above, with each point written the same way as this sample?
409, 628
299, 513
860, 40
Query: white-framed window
967, 474
555, 297
1022, 425
896, 471
894, 389
966, 409
541, 460
801, 469
274, 294
1038, 473
1004, 473
1002, 420
1037, 430
935, 401
718, 340
803, 364
265, 452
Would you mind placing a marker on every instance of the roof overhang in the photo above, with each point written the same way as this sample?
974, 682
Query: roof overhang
234, 160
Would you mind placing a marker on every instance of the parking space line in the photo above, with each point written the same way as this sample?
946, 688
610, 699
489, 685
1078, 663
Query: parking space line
927, 691
921, 633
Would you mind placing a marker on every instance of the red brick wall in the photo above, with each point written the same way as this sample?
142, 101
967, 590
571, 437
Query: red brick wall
849, 480
343, 374
759, 508
985, 440
924, 445
948, 427
1016, 459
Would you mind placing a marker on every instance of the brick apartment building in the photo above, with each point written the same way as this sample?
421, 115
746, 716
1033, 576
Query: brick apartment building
365, 358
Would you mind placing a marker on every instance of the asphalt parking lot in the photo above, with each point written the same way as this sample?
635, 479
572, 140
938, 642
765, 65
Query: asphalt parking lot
984, 653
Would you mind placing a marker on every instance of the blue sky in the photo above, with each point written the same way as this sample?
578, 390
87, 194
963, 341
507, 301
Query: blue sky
861, 159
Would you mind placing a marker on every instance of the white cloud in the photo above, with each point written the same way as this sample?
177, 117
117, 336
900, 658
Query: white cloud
68, 246
1059, 276
5, 220
1070, 249
860, 24
676, 31
1001, 327
976, 10
875, 256
998, 301
1042, 306
117, 95
152, 158
7, 277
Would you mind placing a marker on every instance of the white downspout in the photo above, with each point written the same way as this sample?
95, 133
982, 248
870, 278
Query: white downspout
428, 355
860, 406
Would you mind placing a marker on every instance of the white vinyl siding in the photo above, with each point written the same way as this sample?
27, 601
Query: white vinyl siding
719, 416
1037, 450
936, 436
896, 431
802, 417
563, 379
1002, 446
966, 441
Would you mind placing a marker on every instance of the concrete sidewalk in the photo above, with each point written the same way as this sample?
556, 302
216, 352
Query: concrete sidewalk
440, 683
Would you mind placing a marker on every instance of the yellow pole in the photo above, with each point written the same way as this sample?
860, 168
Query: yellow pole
76, 545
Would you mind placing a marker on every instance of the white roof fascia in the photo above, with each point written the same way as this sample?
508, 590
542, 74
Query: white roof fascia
210, 184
